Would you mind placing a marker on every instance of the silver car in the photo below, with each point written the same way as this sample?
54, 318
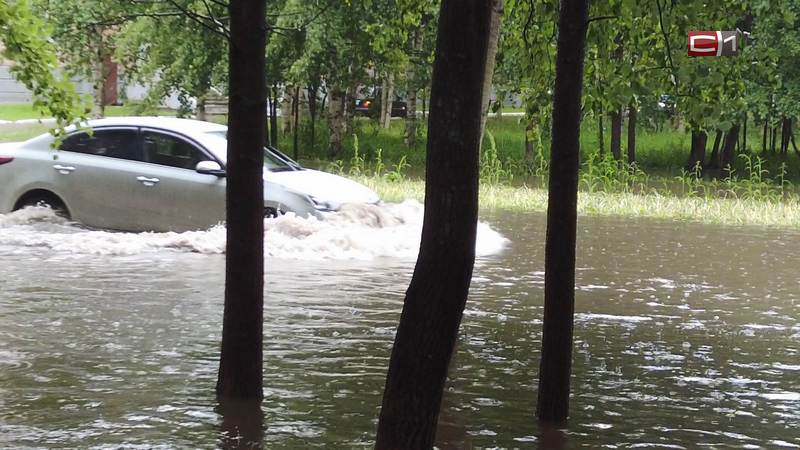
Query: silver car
155, 174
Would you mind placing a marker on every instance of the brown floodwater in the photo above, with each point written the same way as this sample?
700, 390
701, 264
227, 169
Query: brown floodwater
686, 335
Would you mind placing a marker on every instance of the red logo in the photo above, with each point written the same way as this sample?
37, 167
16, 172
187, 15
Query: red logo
713, 43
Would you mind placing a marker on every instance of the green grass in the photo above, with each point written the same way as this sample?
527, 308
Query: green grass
15, 133
724, 211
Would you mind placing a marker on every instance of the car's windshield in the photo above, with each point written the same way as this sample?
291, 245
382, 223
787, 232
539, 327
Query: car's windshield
274, 161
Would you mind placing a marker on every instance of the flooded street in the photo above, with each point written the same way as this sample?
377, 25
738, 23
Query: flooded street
686, 334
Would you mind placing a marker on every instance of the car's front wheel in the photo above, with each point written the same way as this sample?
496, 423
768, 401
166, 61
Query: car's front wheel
271, 213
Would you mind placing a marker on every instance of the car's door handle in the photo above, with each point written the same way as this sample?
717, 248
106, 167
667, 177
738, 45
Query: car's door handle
147, 181
64, 169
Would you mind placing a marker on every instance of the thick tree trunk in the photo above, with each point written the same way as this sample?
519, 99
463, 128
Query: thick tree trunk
336, 123
697, 154
559, 282
437, 294
240, 367
616, 134
494, 38
632, 114
728, 151
786, 130
201, 108
714, 160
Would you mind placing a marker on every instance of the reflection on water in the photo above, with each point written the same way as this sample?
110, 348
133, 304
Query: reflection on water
686, 335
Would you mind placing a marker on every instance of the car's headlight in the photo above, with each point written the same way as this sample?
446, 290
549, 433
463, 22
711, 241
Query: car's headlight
322, 205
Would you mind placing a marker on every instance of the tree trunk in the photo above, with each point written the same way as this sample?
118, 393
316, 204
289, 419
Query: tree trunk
494, 38
296, 123
412, 80
336, 121
764, 136
773, 139
287, 103
387, 105
312, 114
600, 137
349, 109
714, 160
632, 114
697, 154
201, 108
559, 282
728, 151
241, 366
273, 115
786, 130
616, 134
744, 133
410, 136
437, 294
99, 82
529, 144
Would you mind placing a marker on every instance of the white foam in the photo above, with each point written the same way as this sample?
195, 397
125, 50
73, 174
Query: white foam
356, 232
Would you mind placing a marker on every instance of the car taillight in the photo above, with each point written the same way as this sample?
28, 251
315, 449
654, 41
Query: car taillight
5, 159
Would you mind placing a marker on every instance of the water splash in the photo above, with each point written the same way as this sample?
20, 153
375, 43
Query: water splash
361, 232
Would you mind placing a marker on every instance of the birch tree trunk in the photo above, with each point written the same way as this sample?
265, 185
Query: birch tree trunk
494, 37
336, 121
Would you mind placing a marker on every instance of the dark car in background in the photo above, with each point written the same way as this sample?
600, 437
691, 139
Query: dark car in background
370, 106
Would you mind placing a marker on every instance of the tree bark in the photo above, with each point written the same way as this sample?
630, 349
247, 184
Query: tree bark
728, 151
412, 81
697, 154
312, 113
494, 38
201, 108
600, 137
437, 294
786, 130
616, 134
764, 136
529, 144
714, 159
273, 115
241, 366
336, 121
744, 133
632, 114
287, 105
559, 283
387, 105
296, 123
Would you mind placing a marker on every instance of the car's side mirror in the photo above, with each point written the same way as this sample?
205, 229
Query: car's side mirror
210, 168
